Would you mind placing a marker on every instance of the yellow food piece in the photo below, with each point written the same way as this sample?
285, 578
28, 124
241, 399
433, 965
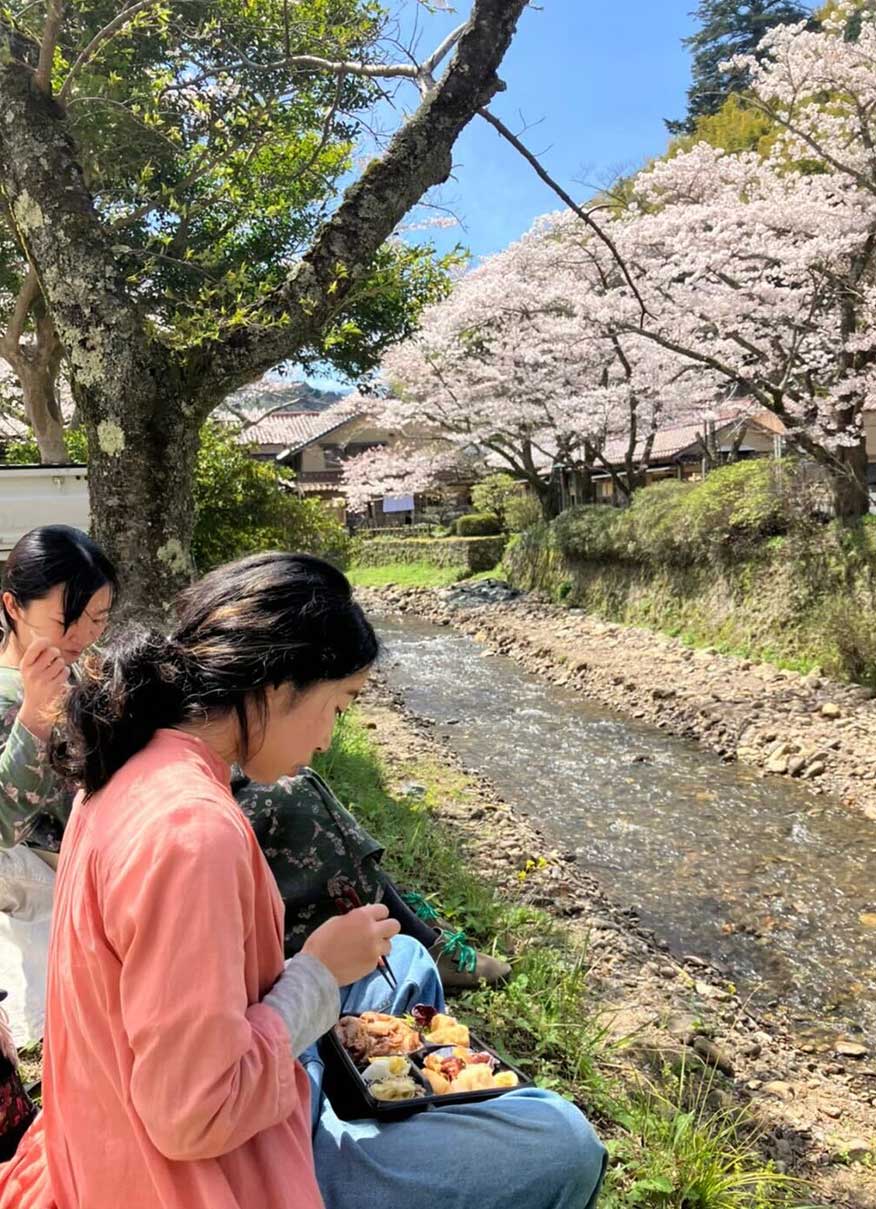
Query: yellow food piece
446, 1030
439, 1083
505, 1078
473, 1078
398, 1087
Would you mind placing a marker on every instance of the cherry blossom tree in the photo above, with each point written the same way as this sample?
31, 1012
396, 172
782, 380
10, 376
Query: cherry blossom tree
507, 366
760, 271
402, 469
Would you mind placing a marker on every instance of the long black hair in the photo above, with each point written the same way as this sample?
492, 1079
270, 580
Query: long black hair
53, 555
259, 623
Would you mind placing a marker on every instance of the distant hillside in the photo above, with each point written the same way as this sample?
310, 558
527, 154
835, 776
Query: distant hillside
280, 392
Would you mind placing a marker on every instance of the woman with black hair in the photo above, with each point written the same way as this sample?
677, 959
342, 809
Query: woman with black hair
56, 594
57, 591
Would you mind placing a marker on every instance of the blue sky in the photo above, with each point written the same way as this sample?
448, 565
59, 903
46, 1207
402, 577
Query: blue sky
598, 77
594, 80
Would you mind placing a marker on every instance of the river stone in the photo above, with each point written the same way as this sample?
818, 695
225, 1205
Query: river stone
777, 765
777, 1087
412, 790
854, 1151
713, 1055
851, 1049
708, 991
830, 710
815, 769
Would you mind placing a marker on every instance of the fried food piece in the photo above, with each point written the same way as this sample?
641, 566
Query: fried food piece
465, 1070
473, 1078
439, 1083
446, 1030
390, 1034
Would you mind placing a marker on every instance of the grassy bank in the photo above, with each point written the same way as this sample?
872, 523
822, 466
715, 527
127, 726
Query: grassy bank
735, 563
411, 575
671, 1147
405, 575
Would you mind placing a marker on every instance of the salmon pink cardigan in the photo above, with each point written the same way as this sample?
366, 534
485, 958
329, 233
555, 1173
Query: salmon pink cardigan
167, 1083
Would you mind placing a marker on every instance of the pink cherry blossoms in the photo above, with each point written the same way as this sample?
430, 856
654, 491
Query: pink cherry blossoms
754, 279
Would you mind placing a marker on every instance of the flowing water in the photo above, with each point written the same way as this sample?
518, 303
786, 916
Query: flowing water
773, 885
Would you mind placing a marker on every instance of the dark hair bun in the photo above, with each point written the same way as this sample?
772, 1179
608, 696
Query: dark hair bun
262, 622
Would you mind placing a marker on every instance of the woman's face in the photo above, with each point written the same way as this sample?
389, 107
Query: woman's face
298, 726
44, 618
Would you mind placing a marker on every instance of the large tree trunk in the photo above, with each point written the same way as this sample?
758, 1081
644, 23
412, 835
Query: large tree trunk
851, 498
140, 481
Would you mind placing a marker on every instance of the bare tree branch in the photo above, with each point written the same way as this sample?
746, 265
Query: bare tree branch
542, 172
423, 74
27, 296
51, 33
418, 157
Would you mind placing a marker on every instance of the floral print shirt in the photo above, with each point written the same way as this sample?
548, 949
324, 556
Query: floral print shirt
317, 851
34, 802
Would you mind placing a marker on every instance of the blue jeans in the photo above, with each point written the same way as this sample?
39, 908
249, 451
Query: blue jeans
527, 1148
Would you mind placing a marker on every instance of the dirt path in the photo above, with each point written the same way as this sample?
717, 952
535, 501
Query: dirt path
786, 724
817, 1111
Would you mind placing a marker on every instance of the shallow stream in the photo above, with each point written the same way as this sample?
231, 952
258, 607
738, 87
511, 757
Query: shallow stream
777, 887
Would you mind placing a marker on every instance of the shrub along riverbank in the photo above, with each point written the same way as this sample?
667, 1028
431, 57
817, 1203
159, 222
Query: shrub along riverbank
465, 555
738, 562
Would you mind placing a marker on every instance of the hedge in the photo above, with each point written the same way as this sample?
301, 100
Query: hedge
730, 512
398, 531
468, 553
478, 524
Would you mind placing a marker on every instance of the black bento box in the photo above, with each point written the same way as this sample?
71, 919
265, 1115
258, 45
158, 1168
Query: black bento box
351, 1100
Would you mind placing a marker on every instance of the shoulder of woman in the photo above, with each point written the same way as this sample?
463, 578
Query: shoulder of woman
204, 835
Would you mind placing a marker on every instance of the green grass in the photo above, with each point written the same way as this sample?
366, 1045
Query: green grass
411, 575
671, 1147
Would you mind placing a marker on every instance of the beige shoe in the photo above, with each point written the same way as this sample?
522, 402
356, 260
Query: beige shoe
461, 967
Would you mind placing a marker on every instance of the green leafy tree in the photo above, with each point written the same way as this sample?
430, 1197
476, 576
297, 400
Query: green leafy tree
170, 170
493, 494
214, 172
243, 505
727, 28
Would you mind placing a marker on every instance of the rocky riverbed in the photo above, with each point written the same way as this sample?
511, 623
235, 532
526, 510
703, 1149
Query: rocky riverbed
778, 721
816, 1110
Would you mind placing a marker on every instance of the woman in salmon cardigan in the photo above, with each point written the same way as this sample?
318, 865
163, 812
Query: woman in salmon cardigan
171, 1074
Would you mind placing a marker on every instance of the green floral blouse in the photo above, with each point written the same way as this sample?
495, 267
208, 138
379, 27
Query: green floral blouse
317, 851
34, 802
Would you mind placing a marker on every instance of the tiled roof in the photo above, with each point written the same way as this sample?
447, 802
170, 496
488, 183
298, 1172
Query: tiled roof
318, 486
292, 430
669, 442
